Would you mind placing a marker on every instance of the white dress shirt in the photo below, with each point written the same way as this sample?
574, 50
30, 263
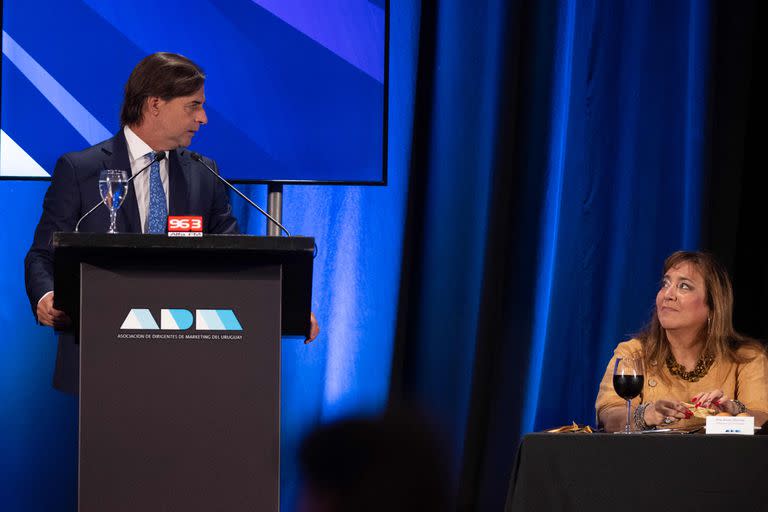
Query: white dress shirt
137, 154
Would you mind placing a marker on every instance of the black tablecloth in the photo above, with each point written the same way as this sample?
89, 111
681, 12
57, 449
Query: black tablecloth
645, 472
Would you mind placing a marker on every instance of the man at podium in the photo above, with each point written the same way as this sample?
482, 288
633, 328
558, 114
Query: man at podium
161, 112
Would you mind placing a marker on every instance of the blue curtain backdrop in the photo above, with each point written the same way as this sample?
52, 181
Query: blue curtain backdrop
558, 160
622, 173
346, 371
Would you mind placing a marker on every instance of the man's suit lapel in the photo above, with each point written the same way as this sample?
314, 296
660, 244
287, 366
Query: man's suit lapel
128, 217
178, 184
128, 220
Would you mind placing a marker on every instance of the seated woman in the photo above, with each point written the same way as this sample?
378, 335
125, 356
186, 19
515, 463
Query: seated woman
691, 353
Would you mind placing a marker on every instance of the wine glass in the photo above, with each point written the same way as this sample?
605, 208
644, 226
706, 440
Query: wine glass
113, 186
628, 381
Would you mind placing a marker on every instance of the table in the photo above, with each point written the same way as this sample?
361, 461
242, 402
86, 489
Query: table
643, 472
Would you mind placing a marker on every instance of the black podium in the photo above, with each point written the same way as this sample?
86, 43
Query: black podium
180, 365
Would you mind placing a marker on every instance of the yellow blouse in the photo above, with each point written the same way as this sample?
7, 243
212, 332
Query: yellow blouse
747, 382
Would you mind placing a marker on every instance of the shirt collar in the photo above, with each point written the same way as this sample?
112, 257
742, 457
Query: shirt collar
137, 148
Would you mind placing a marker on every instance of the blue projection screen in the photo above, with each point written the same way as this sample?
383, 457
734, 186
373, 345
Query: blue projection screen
296, 90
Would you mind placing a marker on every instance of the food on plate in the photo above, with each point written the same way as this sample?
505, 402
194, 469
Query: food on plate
700, 412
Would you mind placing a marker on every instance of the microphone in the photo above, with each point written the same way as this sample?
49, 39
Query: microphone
159, 157
197, 158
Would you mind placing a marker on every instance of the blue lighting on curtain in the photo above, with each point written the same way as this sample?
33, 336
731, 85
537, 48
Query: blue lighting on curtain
621, 165
697, 79
552, 205
456, 215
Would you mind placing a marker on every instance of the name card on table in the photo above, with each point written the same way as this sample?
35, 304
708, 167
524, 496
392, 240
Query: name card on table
744, 425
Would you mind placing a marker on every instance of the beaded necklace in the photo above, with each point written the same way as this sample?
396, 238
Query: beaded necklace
702, 367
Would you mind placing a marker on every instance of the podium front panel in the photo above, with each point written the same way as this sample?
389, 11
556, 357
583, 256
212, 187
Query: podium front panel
179, 387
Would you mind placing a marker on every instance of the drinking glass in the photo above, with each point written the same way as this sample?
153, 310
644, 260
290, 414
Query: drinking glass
628, 382
113, 186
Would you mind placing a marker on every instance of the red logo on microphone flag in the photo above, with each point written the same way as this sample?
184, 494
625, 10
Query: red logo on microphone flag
185, 225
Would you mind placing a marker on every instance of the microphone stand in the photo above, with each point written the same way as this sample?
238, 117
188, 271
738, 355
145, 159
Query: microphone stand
198, 158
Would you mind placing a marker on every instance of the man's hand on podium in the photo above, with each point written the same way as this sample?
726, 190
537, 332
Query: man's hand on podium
314, 329
49, 315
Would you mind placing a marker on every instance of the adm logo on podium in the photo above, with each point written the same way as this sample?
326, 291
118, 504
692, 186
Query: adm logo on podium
182, 319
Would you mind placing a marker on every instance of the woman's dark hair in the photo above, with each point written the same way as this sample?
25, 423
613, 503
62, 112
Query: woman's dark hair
165, 75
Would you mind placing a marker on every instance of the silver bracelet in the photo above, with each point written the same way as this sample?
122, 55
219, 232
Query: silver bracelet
741, 406
639, 418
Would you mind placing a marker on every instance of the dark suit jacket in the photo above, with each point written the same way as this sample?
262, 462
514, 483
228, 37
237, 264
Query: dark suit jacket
74, 189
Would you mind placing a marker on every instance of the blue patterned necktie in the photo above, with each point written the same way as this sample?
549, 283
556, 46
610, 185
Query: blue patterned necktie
158, 209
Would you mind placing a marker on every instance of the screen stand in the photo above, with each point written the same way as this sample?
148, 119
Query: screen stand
274, 207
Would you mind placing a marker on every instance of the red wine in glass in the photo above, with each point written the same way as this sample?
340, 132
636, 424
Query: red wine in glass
628, 386
628, 378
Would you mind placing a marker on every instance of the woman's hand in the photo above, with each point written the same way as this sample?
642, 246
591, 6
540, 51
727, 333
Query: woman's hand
716, 399
664, 412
